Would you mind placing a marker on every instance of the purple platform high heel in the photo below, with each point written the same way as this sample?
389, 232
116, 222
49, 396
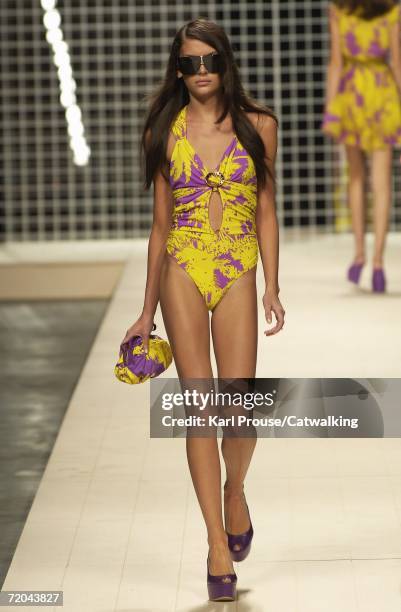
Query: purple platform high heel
378, 280
240, 544
222, 587
354, 272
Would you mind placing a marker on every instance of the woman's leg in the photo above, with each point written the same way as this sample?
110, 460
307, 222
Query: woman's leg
381, 188
186, 320
234, 332
356, 198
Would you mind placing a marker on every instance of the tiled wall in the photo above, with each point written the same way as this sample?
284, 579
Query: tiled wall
118, 50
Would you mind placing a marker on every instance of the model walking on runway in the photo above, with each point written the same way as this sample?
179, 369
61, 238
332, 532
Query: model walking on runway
210, 150
363, 111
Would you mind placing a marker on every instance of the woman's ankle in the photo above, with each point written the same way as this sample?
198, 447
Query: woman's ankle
218, 540
233, 490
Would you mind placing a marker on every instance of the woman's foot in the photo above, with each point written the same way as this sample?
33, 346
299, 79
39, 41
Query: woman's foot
239, 541
221, 587
236, 516
220, 561
355, 269
378, 280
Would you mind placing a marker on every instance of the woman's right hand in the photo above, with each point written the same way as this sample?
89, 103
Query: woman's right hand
142, 327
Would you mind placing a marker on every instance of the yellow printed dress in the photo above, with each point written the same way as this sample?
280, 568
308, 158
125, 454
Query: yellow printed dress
366, 110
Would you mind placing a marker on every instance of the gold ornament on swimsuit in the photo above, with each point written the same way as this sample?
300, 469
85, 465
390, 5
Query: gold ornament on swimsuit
215, 179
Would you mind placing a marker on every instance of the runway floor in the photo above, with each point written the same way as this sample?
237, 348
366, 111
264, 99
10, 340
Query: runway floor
115, 523
44, 346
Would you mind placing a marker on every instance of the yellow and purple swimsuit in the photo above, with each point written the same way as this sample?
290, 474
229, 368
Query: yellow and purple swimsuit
214, 259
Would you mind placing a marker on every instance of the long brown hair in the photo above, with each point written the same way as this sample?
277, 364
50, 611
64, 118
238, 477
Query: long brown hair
171, 95
366, 9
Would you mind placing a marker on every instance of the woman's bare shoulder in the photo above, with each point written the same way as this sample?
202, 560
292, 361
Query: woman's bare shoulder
253, 117
260, 120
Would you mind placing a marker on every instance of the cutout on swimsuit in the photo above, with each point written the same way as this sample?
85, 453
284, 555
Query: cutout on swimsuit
215, 211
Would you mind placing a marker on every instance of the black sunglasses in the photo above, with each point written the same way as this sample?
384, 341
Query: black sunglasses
190, 64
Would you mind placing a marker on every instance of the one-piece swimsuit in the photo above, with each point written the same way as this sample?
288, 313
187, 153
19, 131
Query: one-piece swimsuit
214, 259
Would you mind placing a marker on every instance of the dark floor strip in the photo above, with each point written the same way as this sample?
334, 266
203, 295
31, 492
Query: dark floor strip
43, 347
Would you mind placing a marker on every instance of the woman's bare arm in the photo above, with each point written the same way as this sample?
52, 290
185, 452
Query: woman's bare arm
267, 228
162, 216
266, 218
395, 53
336, 60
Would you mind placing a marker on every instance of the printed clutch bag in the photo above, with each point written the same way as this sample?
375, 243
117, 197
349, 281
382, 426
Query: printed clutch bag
135, 366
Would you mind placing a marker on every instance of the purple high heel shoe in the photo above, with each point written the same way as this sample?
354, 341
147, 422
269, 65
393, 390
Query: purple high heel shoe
222, 587
354, 272
240, 545
378, 280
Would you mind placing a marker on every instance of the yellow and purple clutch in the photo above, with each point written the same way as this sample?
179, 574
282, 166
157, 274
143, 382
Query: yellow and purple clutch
135, 366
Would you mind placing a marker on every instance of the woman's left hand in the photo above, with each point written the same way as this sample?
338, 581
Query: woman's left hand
271, 304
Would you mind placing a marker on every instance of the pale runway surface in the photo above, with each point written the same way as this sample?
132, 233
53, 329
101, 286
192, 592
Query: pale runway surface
115, 523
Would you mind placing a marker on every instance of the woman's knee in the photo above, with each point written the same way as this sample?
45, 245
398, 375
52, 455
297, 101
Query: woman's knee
381, 172
356, 163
